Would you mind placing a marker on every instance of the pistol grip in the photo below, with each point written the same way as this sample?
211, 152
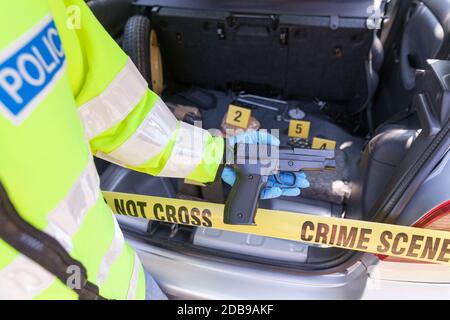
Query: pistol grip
242, 202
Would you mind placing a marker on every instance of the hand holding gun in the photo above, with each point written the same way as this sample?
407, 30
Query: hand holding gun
257, 166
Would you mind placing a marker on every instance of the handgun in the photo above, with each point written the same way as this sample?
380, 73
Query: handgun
253, 169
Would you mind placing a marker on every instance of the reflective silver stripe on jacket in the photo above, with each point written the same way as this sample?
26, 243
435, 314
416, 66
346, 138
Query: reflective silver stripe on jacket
113, 253
115, 102
23, 278
65, 220
187, 152
132, 290
150, 138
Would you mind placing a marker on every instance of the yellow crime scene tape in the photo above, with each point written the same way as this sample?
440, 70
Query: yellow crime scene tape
378, 238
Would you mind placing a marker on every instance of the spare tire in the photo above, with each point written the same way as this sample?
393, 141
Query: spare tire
141, 45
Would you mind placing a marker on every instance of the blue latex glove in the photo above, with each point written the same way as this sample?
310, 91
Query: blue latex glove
274, 188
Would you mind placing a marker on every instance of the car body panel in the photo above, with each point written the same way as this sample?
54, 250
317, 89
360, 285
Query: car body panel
184, 276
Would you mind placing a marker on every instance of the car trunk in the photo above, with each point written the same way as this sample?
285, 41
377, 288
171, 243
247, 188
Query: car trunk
320, 56
314, 55
251, 247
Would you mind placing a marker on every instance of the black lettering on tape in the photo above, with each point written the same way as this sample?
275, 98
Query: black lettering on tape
131, 208
444, 256
347, 239
120, 206
396, 249
321, 234
171, 213
183, 215
206, 215
408, 243
142, 206
385, 244
303, 233
431, 248
157, 209
333, 234
195, 217
414, 246
363, 238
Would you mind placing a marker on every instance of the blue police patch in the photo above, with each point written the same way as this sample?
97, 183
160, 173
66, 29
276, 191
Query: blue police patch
29, 69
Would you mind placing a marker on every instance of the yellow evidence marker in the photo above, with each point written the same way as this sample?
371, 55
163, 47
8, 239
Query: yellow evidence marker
238, 116
319, 143
299, 129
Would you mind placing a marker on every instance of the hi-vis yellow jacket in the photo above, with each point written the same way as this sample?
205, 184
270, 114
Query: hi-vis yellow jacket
67, 91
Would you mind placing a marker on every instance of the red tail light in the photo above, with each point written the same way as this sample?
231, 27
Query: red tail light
437, 218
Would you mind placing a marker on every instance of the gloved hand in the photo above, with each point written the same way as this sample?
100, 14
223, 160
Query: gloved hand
284, 185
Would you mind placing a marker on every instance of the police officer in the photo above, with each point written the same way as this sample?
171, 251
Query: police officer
68, 92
